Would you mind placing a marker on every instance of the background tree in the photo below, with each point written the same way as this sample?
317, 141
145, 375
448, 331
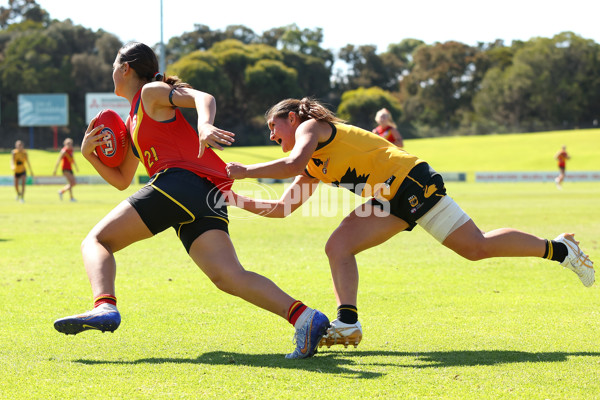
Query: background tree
359, 106
549, 83
261, 91
366, 68
246, 79
55, 58
22, 10
437, 89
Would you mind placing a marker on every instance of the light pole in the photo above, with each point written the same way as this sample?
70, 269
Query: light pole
161, 60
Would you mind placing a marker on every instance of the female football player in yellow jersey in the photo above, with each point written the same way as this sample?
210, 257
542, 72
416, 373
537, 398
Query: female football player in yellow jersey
19, 163
404, 191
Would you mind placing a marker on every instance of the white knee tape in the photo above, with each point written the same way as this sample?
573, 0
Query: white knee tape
443, 219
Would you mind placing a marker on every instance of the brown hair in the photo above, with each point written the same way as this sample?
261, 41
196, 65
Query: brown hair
144, 62
306, 109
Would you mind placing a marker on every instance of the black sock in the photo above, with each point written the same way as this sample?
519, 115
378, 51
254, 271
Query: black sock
347, 314
555, 251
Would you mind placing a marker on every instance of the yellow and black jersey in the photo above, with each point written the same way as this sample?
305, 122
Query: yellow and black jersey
20, 158
360, 161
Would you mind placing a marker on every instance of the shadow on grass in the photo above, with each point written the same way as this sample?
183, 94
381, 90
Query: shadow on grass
467, 358
342, 362
327, 363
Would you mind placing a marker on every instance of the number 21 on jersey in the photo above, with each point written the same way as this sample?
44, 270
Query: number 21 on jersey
150, 156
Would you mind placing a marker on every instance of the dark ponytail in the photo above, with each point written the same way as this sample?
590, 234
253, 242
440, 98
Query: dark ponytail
144, 62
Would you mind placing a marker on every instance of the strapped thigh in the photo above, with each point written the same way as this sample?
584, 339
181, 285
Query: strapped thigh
443, 219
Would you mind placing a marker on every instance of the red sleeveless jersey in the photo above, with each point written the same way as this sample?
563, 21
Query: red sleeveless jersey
67, 160
172, 144
562, 159
386, 133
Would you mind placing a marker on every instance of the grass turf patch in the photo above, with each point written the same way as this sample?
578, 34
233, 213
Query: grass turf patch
435, 325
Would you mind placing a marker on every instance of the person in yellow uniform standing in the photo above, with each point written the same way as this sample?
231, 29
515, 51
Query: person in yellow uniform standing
19, 163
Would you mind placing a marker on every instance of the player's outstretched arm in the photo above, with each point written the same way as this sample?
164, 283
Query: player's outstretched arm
293, 197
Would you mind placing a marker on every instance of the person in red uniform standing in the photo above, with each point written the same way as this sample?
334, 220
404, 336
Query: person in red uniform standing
561, 156
185, 192
387, 128
68, 162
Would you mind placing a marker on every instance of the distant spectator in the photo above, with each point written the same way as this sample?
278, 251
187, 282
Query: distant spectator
19, 163
387, 128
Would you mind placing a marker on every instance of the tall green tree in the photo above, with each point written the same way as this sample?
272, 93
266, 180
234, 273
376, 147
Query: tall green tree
359, 106
59, 57
367, 68
549, 83
246, 79
22, 10
437, 89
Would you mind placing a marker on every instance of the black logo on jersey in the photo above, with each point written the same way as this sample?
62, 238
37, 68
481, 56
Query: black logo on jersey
318, 163
352, 181
390, 180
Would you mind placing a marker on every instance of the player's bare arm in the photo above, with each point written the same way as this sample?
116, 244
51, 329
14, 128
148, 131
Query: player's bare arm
302, 144
160, 98
294, 196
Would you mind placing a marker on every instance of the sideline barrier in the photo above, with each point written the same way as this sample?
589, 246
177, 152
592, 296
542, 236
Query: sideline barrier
454, 176
536, 176
55, 180
480, 177
448, 177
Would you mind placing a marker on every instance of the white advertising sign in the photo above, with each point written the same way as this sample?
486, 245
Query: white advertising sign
96, 102
536, 176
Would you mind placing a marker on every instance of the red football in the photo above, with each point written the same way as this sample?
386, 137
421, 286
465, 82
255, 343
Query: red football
112, 153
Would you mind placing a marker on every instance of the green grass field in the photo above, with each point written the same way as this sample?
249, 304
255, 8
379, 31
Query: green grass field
435, 325
513, 152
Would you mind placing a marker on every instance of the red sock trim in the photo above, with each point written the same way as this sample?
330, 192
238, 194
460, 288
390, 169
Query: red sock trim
105, 298
296, 309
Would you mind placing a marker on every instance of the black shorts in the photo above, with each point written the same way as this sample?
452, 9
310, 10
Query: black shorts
183, 200
20, 174
417, 194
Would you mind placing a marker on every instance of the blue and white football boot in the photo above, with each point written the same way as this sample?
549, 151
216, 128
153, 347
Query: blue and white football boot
308, 336
103, 318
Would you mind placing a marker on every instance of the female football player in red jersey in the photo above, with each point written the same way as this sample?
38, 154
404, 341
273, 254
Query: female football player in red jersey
387, 128
184, 192
404, 191
68, 162
561, 157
